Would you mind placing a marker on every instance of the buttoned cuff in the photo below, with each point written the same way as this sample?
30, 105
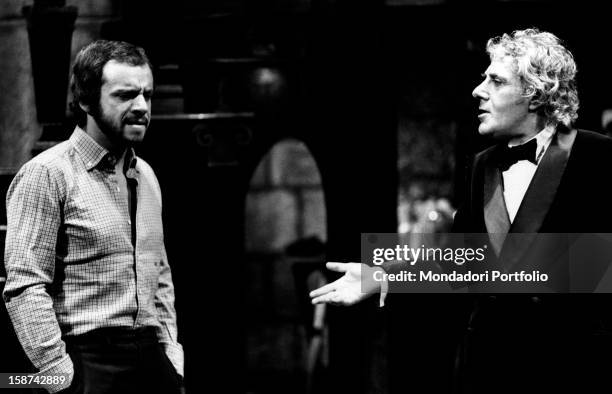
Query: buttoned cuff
65, 367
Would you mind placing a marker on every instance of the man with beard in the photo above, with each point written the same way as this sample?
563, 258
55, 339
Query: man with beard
89, 290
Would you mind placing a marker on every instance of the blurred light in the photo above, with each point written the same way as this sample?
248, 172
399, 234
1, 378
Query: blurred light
404, 228
266, 76
267, 84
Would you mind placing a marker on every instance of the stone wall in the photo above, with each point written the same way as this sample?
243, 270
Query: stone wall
285, 202
19, 128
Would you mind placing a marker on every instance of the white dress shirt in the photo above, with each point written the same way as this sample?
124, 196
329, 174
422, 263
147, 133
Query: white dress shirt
519, 175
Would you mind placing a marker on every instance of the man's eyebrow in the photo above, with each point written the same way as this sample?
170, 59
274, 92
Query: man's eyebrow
128, 89
495, 76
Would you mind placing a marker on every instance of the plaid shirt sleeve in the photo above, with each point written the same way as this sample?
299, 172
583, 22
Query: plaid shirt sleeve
164, 302
34, 217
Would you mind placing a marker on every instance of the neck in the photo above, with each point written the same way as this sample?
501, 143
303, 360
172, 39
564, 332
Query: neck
529, 130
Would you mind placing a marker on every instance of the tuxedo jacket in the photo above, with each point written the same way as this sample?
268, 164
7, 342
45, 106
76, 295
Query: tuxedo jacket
553, 338
569, 194
571, 191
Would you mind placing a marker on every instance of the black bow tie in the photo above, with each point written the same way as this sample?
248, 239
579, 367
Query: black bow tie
509, 156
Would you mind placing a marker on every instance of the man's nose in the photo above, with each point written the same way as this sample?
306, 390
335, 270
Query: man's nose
140, 104
479, 91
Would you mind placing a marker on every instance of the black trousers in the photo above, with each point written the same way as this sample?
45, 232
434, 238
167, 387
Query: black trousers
551, 346
120, 360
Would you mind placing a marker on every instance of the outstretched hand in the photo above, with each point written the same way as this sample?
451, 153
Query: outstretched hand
354, 286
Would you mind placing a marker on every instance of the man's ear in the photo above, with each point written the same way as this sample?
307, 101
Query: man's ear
534, 102
84, 107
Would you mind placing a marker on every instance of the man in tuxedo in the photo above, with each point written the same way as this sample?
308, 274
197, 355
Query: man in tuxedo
541, 176
528, 101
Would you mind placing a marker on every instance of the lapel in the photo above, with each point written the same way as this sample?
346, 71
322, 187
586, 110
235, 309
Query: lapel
539, 196
543, 187
496, 216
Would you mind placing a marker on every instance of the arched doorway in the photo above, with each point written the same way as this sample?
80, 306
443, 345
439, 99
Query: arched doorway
285, 236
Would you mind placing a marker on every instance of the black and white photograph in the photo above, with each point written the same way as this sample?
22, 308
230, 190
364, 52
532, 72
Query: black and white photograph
305, 196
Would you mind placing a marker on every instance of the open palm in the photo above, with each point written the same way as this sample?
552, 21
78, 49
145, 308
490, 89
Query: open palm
355, 285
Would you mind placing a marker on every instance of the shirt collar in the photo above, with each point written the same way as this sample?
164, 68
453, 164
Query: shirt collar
543, 139
94, 154
91, 152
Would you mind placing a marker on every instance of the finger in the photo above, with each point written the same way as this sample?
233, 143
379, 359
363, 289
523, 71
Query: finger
332, 298
323, 290
336, 267
324, 299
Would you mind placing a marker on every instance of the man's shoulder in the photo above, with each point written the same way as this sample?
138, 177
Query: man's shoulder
142, 164
145, 168
147, 175
483, 154
487, 151
591, 146
593, 137
54, 159
44, 172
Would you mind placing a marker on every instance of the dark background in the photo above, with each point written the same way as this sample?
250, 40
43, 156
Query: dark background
344, 78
